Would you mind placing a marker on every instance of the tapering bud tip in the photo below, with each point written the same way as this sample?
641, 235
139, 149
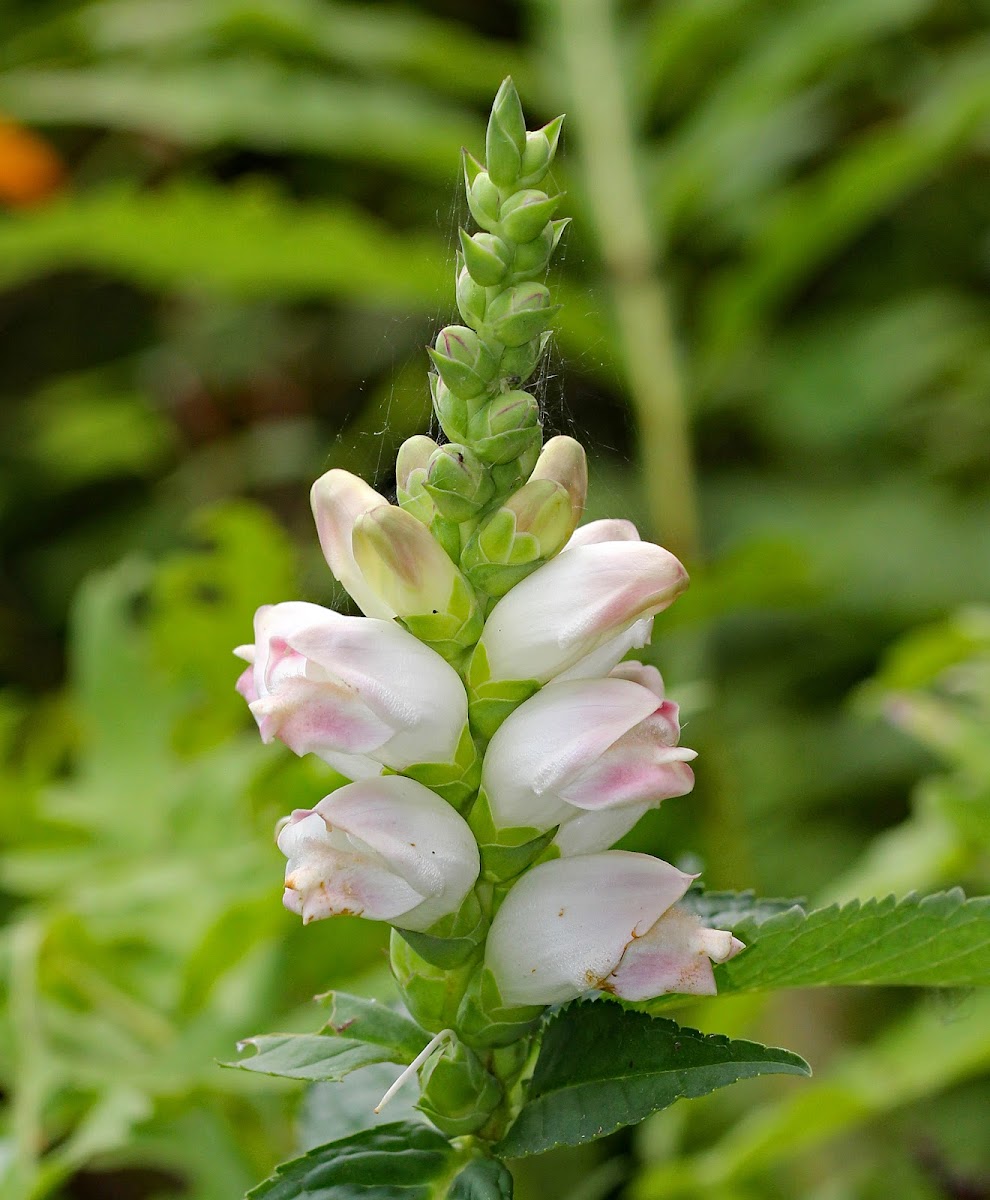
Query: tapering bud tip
505, 138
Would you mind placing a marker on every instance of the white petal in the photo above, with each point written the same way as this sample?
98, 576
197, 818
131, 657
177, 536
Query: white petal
338, 498
551, 739
563, 928
673, 956
612, 529
590, 832
642, 673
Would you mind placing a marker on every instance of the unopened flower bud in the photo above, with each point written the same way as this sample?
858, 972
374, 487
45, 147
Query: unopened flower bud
564, 461
472, 300
529, 528
486, 257
520, 313
458, 1094
505, 138
387, 849
525, 215
602, 922
451, 410
519, 362
357, 692
464, 362
506, 427
532, 258
404, 565
411, 465
458, 482
338, 498
510, 476
482, 194
541, 146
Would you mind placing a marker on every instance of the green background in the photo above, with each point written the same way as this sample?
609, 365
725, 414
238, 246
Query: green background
781, 229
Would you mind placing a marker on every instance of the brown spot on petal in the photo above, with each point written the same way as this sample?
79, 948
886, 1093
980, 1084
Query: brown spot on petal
561, 913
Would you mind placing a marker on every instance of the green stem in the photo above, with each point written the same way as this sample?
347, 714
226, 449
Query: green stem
598, 104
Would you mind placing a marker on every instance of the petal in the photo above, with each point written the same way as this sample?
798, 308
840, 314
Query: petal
577, 602
642, 673
611, 529
319, 718
603, 660
338, 498
675, 955
245, 685
563, 928
590, 832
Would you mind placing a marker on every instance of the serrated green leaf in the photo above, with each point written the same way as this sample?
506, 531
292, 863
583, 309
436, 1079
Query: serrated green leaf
312, 1056
483, 1179
941, 940
602, 1067
727, 910
358, 1019
400, 1161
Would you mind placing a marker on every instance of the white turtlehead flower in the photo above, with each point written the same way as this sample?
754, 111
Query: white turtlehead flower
581, 612
602, 922
589, 755
388, 849
359, 693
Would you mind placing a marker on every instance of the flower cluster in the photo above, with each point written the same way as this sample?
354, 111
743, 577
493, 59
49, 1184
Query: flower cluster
497, 739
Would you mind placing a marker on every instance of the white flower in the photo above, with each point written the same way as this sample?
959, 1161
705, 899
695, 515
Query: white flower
338, 499
595, 752
388, 849
358, 692
602, 922
596, 597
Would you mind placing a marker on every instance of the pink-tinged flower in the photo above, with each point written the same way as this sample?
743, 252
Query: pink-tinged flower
338, 499
610, 529
590, 598
602, 922
596, 753
388, 849
359, 693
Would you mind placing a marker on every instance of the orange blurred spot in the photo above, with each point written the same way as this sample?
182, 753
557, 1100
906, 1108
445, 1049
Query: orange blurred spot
30, 170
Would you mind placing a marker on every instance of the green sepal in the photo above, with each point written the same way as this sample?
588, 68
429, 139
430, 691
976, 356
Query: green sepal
519, 362
509, 476
533, 257
525, 215
486, 257
458, 1094
454, 939
453, 632
505, 428
505, 853
471, 297
432, 994
482, 194
485, 1021
520, 313
448, 534
538, 156
456, 782
505, 137
490, 701
451, 410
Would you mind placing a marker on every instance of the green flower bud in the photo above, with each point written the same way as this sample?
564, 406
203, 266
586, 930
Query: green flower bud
451, 410
411, 573
482, 194
519, 362
505, 428
509, 476
505, 138
487, 257
458, 1094
482, 1179
523, 216
484, 1020
541, 146
532, 258
528, 530
432, 993
411, 465
564, 461
520, 313
472, 299
464, 362
458, 482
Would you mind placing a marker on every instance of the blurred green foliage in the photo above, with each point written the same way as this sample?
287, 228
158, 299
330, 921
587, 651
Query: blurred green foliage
229, 291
